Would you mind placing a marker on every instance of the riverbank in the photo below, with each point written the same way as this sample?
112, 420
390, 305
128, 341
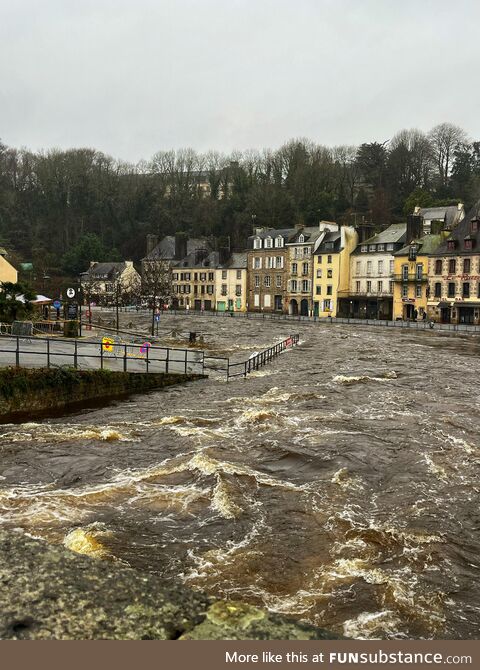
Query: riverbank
25, 391
49, 592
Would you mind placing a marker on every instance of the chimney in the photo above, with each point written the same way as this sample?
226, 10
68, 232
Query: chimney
200, 255
152, 241
417, 209
414, 227
92, 263
180, 245
460, 206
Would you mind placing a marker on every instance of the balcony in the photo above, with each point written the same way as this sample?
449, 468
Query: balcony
412, 277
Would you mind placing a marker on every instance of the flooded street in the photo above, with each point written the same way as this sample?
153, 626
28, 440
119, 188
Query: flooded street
339, 484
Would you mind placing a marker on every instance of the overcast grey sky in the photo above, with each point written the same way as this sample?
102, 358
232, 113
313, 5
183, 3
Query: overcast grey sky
130, 77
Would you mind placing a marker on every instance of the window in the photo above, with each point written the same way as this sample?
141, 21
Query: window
372, 247
390, 247
224, 289
405, 272
202, 290
257, 263
451, 245
318, 290
268, 262
474, 225
293, 286
357, 286
301, 239
468, 243
319, 258
304, 268
466, 266
391, 267
452, 266
211, 276
306, 251
380, 267
391, 287
329, 274
329, 290
210, 288
175, 276
369, 286
358, 266
419, 271
294, 268
238, 289
279, 262
319, 274
266, 301
268, 243
327, 306
369, 267
418, 292
256, 300
405, 291
451, 289
224, 274
364, 248
329, 259
257, 281
438, 289
257, 243
438, 267
412, 252
380, 287
278, 281
279, 242
203, 276
268, 281
305, 286
466, 289
195, 276
239, 274
380, 247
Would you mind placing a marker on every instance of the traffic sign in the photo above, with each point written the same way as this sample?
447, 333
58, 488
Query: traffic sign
57, 304
107, 344
145, 347
71, 292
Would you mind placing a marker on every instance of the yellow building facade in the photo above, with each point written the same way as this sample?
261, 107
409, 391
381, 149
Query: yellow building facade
7, 272
331, 269
410, 277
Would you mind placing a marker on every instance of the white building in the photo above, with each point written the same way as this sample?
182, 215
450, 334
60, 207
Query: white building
231, 284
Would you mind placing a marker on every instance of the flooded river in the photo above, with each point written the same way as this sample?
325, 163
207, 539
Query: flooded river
339, 484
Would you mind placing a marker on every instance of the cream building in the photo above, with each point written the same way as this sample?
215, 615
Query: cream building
231, 284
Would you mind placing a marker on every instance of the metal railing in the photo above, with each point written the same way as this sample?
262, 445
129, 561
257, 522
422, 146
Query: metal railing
255, 362
104, 355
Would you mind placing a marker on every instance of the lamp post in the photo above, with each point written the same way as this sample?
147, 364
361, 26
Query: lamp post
80, 299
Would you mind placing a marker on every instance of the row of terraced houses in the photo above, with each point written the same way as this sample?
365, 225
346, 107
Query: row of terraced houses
426, 268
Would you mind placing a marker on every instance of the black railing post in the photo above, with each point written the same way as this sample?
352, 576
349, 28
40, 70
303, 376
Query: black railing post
101, 356
167, 360
17, 353
48, 353
146, 360
125, 358
186, 357
75, 360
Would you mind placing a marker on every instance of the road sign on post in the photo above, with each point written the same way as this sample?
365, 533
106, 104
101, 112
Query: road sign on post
70, 292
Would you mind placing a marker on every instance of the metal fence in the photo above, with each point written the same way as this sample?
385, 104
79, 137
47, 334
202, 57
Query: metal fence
267, 316
90, 355
255, 362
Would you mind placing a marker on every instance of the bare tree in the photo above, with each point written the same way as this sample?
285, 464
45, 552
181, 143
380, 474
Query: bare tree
445, 139
156, 284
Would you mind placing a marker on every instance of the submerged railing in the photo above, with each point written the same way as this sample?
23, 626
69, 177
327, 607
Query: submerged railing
255, 362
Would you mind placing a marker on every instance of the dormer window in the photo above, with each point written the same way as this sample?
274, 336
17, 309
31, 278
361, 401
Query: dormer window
412, 252
364, 248
372, 247
279, 242
474, 224
257, 243
301, 239
268, 243
468, 243
451, 245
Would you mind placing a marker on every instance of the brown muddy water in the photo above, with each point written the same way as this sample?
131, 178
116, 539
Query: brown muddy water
340, 484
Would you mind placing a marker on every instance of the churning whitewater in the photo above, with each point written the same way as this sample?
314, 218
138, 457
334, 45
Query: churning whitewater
339, 484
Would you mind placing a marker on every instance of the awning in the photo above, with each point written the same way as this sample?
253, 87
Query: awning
442, 305
38, 300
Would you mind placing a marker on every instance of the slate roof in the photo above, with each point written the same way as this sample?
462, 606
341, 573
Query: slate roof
108, 270
237, 261
426, 245
450, 215
210, 261
332, 236
165, 249
460, 233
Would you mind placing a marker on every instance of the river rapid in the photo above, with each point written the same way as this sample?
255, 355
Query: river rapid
339, 484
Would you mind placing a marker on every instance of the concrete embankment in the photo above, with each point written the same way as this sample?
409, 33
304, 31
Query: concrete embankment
49, 592
24, 391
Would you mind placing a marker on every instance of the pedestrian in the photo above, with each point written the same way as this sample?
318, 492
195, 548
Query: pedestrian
424, 315
415, 314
